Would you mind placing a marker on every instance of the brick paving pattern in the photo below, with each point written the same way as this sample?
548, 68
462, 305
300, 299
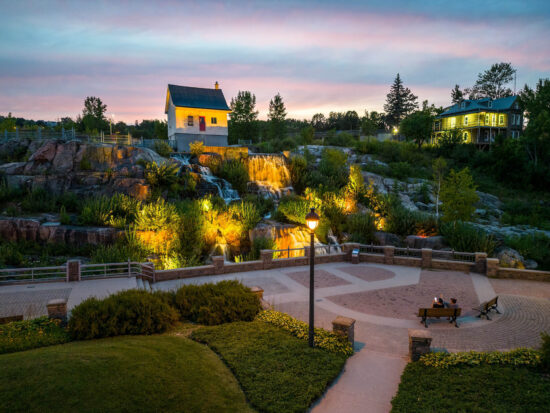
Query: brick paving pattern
323, 279
30, 303
521, 287
368, 274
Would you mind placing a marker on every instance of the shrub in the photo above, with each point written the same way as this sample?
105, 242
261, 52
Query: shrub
85, 165
298, 173
400, 170
38, 200
163, 148
340, 139
465, 237
236, 173
27, 334
294, 208
361, 228
196, 148
517, 357
403, 222
213, 304
117, 211
128, 249
535, 246
161, 176
323, 339
259, 244
156, 215
126, 312
10, 255
247, 213
458, 196
545, 351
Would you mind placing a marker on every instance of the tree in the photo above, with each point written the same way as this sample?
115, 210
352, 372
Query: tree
457, 95
276, 116
439, 168
319, 122
431, 109
243, 118
7, 123
458, 195
492, 82
93, 114
417, 127
307, 134
400, 102
351, 120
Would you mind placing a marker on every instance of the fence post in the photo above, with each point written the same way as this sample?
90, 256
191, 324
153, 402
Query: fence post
73, 270
480, 262
218, 262
426, 258
492, 267
129, 269
389, 251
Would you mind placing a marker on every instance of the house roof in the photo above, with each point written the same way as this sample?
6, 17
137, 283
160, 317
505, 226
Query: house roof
196, 97
480, 105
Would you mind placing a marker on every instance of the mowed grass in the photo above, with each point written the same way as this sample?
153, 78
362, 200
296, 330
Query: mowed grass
482, 388
278, 372
130, 374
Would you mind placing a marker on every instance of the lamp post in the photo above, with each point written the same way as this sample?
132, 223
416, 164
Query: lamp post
312, 220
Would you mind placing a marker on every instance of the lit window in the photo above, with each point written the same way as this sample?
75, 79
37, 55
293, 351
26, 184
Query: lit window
486, 119
465, 120
501, 119
493, 120
189, 120
465, 136
453, 122
214, 121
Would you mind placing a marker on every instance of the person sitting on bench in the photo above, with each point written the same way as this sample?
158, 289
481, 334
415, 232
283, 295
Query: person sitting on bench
438, 303
451, 304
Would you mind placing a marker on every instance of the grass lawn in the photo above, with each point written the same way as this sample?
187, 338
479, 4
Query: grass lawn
278, 372
483, 388
132, 374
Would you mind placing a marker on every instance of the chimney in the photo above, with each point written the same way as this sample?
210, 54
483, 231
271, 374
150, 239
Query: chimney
216, 85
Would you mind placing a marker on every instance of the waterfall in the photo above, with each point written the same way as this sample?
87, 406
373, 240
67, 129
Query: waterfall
269, 175
224, 188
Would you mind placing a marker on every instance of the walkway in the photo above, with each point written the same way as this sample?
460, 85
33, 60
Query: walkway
384, 299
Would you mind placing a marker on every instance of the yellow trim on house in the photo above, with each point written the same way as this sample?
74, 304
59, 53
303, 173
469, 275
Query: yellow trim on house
474, 120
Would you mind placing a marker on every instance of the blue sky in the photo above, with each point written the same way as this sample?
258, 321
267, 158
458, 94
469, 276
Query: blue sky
320, 55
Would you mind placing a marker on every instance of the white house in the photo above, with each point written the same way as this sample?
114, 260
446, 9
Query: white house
196, 114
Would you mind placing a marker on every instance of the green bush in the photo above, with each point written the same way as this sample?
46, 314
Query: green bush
163, 148
213, 304
323, 339
466, 237
403, 222
361, 228
545, 351
126, 312
340, 139
156, 215
247, 213
129, 248
535, 246
117, 211
11, 255
27, 334
517, 357
400, 170
294, 208
236, 173
161, 175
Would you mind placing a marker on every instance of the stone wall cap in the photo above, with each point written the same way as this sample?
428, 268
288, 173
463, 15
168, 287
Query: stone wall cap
345, 321
419, 333
57, 301
256, 289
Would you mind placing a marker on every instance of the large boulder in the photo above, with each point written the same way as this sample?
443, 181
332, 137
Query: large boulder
434, 243
387, 238
510, 258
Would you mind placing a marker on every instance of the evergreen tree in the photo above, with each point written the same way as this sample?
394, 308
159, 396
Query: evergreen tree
93, 114
458, 195
457, 95
492, 83
400, 102
243, 118
276, 116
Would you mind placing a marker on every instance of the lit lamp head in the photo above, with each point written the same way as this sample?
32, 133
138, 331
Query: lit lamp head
312, 220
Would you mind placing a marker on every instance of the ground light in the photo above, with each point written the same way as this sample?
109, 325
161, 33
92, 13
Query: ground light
312, 221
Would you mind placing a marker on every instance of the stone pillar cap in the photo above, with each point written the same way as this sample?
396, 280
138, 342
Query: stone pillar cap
256, 288
419, 333
56, 301
345, 321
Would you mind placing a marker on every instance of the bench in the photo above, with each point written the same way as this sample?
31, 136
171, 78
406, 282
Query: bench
488, 306
451, 313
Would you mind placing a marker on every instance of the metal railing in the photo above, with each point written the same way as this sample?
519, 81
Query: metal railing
108, 270
371, 249
453, 256
285, 253
33, 275
407, 252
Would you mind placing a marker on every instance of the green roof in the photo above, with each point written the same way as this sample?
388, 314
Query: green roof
478, 105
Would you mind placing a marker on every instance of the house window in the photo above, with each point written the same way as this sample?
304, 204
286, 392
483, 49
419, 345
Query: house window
493, 120
189, 120
214, 121
466, 120
486, 119
453, 122
463, 105
501, 119
465, 136
490, 103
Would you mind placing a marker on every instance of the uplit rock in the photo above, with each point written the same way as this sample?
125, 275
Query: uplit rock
510, 258
387, 238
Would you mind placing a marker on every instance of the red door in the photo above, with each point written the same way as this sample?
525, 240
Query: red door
202, 124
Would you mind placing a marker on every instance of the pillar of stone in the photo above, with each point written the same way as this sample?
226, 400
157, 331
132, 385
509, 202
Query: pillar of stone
57, 308
480, 263
419, 343
426, 258
73, 270
388, 254
259, 291
266, 256
492, 267
345, 327
348, 247
218, 262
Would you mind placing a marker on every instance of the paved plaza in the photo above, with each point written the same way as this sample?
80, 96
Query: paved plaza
383, 299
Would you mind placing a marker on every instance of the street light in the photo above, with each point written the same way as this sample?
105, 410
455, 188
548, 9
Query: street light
312, 220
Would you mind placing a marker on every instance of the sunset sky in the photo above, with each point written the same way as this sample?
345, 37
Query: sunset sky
321, 56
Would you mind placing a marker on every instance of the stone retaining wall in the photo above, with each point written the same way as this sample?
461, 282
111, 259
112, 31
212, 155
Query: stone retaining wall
522, 274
